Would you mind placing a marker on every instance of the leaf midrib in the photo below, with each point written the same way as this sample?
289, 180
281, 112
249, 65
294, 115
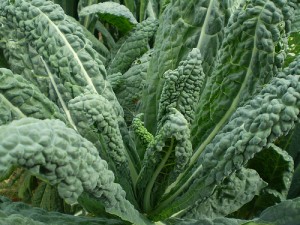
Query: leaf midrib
67, 44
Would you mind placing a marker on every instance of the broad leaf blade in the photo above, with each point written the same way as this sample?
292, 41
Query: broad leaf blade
13, 213
128, 87
271, 114
286, 212
276, 168
183, 25
166, 156
252, 53
132, 46
62, 157
233, 193
113, 13
19, 99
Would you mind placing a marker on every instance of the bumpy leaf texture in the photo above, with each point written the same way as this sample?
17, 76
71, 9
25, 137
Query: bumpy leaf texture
166, 156
61, 156
232, 194
132, 46
129, 86
183, 25
182, 87
20, 99
252, 53
261, 121
92, 111
58, 58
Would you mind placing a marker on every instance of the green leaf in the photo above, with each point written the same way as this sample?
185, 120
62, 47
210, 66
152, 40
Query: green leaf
131, 5
87, 21
293, 49
62, 157
296, 21
252, 53
261, 121
132, 46
181, 29
286, 212
142, 136
276, 168
113, 13
166, 156
105, 35
295, 186
47, 197
55, 48
182, 87
234, 192
3, 61
7, 173
129, 86
19, 99
90, 110
70, 7
12, 213
96, 43
142, 9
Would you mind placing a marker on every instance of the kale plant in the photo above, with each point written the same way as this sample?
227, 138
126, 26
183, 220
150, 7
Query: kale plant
149, 112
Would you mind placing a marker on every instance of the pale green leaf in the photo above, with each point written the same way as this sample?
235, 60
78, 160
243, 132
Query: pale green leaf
113, 13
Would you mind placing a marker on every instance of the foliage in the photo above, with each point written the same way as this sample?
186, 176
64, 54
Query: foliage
149, 112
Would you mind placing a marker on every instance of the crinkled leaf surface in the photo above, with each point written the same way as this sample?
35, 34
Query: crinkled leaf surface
200, 24
19, 98
275, 167
63, 60
234, 192
129, 86
252, 53
166, 156
61, 156
251, 128
132, 46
